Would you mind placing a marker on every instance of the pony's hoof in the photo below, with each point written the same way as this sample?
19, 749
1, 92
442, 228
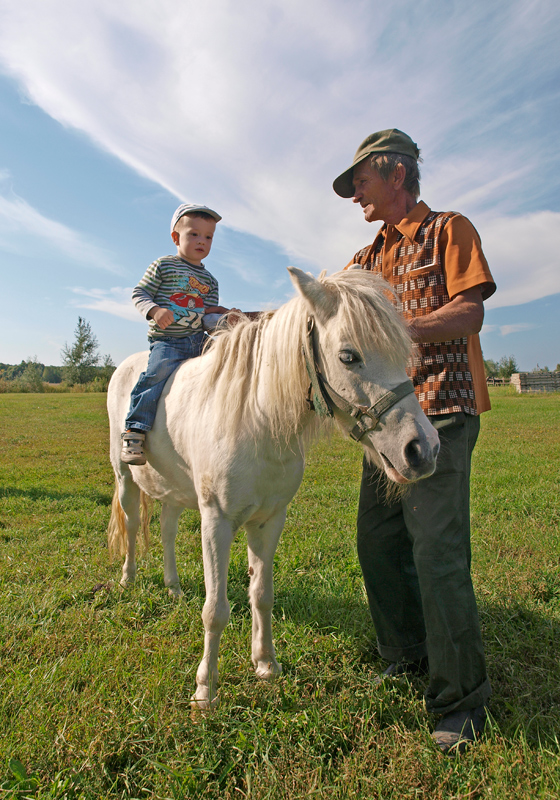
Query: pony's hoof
175, 592
268, 670
203, 705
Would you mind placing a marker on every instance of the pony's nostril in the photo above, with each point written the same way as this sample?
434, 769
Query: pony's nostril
413, 453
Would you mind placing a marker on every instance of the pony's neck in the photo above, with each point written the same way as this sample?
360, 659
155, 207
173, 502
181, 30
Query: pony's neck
282, 376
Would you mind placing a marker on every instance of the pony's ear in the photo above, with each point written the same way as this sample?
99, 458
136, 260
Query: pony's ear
316, 295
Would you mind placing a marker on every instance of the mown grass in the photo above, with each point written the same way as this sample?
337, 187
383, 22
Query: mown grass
95, 683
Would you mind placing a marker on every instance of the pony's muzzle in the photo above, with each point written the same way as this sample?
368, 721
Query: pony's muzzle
415, 453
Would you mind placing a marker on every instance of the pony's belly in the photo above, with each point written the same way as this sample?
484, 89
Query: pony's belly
161, 488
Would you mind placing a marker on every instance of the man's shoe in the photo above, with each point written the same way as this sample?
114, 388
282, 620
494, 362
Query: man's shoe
403, 669
132, 451
455, 731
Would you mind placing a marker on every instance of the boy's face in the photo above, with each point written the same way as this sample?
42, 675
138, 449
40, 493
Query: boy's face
193, 238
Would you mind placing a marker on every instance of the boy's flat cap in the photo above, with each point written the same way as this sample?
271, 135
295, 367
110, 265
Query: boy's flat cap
389, 141
190, 208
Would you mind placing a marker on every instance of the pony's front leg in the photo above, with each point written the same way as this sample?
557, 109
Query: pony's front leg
262, 541
217, 536
168, 521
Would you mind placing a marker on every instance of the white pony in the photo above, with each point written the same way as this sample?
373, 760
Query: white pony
232, 427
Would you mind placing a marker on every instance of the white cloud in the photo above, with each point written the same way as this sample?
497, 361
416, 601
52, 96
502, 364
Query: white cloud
524, 256
115, 301
24, 229
255, 107
505, 330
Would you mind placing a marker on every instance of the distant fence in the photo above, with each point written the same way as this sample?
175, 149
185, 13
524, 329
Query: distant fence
536, 381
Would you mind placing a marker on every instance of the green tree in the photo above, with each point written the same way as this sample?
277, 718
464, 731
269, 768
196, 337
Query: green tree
81, 359
490, 368
108, 367
15, 371
507, 365
31, 379
52, 374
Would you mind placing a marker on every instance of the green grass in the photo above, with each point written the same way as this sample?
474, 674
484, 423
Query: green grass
95, 683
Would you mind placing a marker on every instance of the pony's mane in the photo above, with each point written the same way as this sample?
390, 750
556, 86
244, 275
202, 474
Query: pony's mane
367, 313
368, 319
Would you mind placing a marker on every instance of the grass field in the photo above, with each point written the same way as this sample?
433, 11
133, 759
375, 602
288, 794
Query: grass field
95, 683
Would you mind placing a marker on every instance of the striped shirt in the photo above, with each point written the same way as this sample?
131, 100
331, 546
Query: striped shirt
173, 283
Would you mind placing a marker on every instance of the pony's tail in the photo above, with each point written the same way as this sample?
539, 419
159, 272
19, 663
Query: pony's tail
116, 531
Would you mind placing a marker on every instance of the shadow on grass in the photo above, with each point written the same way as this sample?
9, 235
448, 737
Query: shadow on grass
522, 659
521, 642
37, 493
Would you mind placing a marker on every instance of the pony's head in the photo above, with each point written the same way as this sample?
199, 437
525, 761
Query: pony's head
361, 348
360, 305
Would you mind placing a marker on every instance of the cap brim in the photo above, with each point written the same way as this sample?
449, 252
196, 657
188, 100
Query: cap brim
343, 185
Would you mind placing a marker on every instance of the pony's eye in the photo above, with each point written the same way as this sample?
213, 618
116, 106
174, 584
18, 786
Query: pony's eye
349, 357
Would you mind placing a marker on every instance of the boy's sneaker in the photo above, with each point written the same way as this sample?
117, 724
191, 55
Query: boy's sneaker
132, 451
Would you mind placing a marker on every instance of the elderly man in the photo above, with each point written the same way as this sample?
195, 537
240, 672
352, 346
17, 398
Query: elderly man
415, 551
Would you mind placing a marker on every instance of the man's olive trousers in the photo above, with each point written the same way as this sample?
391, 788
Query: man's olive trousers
415, 556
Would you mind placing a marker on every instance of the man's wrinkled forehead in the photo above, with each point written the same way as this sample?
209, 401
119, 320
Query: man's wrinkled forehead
361, 170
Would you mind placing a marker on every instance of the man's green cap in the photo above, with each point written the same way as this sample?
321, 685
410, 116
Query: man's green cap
389, 141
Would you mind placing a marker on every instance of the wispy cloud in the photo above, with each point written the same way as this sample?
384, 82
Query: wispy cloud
524, 255
115, 301
506, 330
255, 108
24, 229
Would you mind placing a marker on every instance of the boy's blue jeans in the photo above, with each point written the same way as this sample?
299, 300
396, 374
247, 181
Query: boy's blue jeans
165, 356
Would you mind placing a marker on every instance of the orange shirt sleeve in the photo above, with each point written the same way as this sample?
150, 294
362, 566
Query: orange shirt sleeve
465, 266
464, 262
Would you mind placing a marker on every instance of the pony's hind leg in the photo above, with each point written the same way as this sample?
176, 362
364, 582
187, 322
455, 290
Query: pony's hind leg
217, 536
262, 540
169, 520
129, 497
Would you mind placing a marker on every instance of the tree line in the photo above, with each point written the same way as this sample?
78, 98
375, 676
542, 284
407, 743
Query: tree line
82, 367
506, 366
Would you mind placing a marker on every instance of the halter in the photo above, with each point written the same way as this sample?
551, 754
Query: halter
323, 399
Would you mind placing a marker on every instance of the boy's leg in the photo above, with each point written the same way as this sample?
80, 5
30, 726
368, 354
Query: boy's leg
163, 360
165, 357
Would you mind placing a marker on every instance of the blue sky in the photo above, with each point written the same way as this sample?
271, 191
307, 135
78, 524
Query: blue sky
112, 114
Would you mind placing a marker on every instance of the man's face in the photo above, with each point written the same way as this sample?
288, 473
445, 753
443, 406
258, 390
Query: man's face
375, 195
194, 238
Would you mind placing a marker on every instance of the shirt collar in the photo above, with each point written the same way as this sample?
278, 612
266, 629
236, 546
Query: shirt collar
409, 225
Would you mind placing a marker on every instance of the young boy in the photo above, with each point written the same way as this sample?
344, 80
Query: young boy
174, 294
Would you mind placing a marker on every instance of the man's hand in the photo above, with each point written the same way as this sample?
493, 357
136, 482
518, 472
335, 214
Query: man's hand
462, 316
233, 314
215, 310
163, 317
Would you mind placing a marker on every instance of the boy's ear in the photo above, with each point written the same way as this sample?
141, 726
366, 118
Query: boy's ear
175, 237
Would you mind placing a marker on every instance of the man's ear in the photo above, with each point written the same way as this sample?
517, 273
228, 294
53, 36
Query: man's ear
398, 176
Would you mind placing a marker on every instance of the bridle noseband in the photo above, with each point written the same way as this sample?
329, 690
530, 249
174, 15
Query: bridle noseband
323, 399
